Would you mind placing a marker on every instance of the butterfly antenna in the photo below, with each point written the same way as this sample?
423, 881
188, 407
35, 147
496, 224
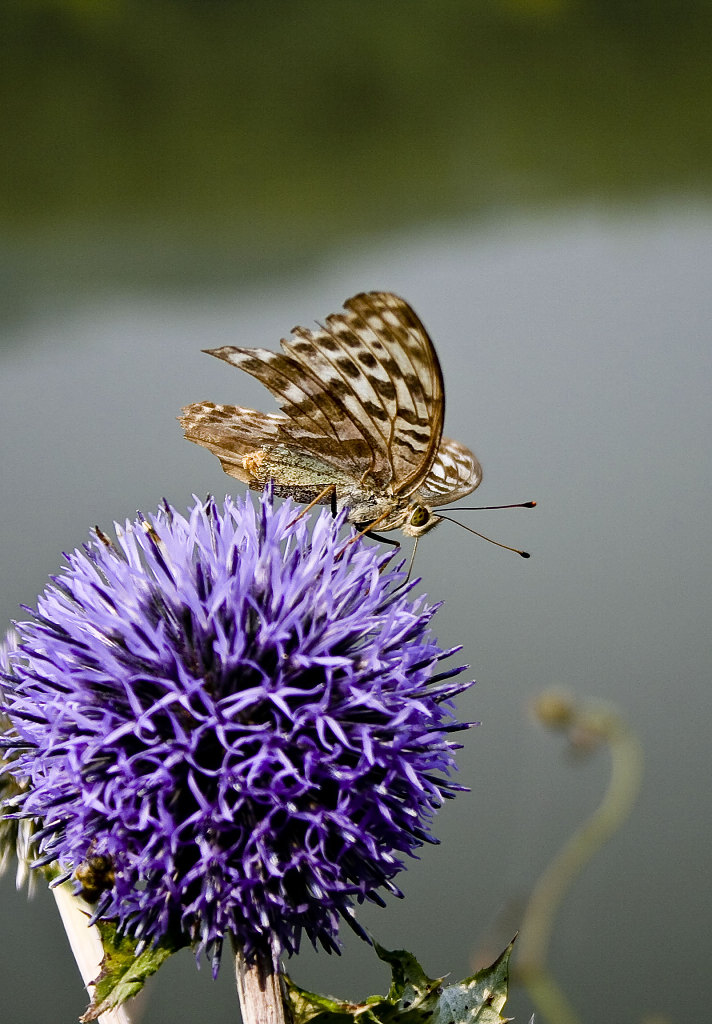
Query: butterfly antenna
517, 551
486, 508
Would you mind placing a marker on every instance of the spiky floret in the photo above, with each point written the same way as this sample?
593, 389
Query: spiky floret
248, 718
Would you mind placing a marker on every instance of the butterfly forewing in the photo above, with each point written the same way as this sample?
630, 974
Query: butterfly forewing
364, 390
362, 405
397, 379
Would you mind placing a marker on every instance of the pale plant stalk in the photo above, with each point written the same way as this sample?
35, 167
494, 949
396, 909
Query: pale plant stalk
86, 945
259, 988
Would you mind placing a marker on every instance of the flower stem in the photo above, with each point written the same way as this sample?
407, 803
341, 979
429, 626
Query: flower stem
259, 988
86, 946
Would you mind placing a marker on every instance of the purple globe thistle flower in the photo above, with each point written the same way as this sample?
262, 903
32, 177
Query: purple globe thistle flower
247, 722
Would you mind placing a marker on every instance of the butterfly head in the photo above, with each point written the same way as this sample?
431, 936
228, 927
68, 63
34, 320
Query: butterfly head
418, 519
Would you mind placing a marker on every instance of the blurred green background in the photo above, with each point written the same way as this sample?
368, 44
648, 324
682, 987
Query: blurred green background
224, 139
535, 177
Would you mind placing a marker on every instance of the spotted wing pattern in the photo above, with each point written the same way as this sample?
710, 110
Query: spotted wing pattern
363, 392
231, 432
362, 405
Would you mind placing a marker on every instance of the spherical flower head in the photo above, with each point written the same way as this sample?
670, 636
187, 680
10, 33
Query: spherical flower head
247, 720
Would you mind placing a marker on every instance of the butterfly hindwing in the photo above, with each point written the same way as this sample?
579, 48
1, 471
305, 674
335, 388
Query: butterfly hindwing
230, 432
454, 473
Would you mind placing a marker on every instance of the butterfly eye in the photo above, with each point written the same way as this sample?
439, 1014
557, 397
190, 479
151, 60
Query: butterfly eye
420, 516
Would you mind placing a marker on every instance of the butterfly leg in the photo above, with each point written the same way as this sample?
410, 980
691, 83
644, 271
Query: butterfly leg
379, 536
396, 544
329, 489
367, 532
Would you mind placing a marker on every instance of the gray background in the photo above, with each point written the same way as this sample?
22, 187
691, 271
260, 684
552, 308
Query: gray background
577, 358
575, 342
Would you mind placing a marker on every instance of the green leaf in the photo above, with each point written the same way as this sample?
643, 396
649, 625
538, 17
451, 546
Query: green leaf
123, 973
413, 998
479, 998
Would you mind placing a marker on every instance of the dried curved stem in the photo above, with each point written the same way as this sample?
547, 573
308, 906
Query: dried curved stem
537, 925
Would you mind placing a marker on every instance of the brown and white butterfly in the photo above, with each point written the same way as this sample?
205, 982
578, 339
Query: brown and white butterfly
363, 403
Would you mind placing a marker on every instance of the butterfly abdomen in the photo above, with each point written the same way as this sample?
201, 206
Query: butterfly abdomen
293, 472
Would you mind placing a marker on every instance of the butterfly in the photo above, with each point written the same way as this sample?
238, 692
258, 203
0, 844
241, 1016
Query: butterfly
363, 403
